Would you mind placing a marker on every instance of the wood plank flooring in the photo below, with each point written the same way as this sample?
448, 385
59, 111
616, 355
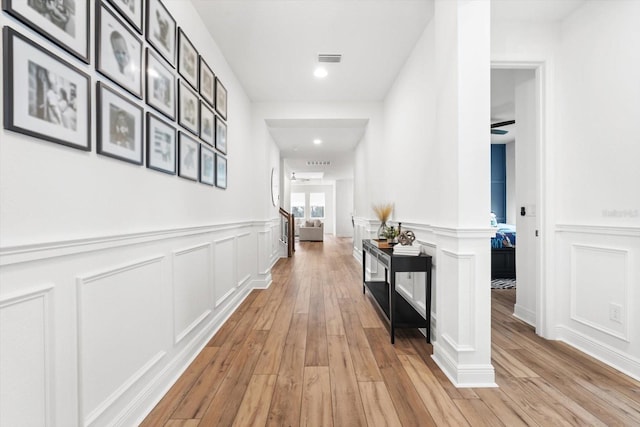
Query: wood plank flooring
312, 350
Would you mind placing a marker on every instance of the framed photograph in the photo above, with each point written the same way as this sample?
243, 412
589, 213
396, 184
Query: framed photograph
161, 30
131, 10
188, 109
221, 99
207, 83
161, 86
161, 145
221, 135
118, 51
44, 96
207, 165
207, 123
120, 124
221, 171
65, 23
188, 156
187, 59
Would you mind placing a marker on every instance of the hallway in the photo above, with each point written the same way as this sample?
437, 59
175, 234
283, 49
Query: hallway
311, 350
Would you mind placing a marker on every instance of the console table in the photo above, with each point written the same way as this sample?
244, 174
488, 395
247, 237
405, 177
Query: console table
398, 312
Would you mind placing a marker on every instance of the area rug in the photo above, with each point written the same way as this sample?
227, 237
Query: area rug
503, 283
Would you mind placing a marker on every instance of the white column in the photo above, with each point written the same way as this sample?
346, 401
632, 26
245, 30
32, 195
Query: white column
462, 346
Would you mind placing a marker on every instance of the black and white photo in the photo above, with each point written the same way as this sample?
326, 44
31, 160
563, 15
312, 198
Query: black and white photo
161, 86
189, 156
118, 51
221, 135
207, 124
64, 22
221, 99
161, 30
44, 96
131, 10
221, 171
120, 125
189, 104
207, 166
161, 145
207, 83
187, 59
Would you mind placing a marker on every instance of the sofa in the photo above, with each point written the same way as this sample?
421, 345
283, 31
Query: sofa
312, 231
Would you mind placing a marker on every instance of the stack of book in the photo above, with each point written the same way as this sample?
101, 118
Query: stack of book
406, 250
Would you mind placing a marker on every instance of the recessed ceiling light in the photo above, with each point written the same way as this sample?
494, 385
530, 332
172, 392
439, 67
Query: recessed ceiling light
320, 72
317, 141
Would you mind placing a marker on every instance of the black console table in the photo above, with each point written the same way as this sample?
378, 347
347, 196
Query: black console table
398, 312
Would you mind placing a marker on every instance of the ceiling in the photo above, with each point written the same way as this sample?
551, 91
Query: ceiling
272, 47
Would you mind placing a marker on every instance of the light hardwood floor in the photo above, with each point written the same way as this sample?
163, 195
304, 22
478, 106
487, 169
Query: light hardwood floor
312, 350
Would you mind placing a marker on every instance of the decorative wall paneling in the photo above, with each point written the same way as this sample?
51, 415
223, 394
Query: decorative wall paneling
94, 331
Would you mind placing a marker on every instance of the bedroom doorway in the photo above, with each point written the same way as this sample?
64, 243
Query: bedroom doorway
516, 102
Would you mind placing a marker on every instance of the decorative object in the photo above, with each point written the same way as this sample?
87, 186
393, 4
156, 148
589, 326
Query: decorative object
207, 82
120, 123
207, 167
221, 136
188, 109
187, 59
221, 99
118, 51
275, 187
131, 10
188, 154
406, 238
64, 23
221, 171
44, 96
161, 145
383, 213
161, 30
161, 86
207, 124
390, 233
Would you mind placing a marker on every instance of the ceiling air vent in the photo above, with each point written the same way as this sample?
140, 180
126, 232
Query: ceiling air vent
329, 57
318, 163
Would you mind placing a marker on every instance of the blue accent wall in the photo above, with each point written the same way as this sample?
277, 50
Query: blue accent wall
499, 182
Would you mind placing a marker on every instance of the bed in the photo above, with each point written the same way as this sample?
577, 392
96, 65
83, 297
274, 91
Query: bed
503, 252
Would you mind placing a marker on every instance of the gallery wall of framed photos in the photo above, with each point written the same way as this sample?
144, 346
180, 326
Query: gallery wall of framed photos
155, 99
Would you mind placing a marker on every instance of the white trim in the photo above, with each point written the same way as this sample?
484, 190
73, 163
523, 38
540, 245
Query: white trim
464, 376
464, 232
524, 314
608, 230
224, 297
191, 327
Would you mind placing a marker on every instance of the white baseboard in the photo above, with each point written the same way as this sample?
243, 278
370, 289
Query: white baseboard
464, 376
613, 357
525, 315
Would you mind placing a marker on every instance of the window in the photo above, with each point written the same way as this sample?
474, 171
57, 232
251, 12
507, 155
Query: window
297, 205
316, 202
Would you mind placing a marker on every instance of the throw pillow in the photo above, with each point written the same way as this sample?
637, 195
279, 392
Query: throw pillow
308, 223
316, 223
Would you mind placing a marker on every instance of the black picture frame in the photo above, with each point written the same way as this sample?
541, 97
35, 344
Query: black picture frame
66, 27
161, 145
207, 165
221, 135
207, 83
207, 124
161, 30
221, 171
132, 12
120, 126
188, 157
36, 83
118, 50
160, 85
221, 99
188, 63
188, 109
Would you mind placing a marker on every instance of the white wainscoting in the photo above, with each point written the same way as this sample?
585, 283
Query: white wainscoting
126, 316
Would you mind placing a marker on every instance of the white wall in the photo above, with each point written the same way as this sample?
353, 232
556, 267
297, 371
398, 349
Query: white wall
113, 276
344, 207
591, 211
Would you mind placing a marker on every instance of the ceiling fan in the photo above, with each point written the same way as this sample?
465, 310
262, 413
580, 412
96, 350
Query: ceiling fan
293, 178
495, 126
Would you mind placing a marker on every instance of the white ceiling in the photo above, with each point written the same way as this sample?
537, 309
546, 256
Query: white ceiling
272, 47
